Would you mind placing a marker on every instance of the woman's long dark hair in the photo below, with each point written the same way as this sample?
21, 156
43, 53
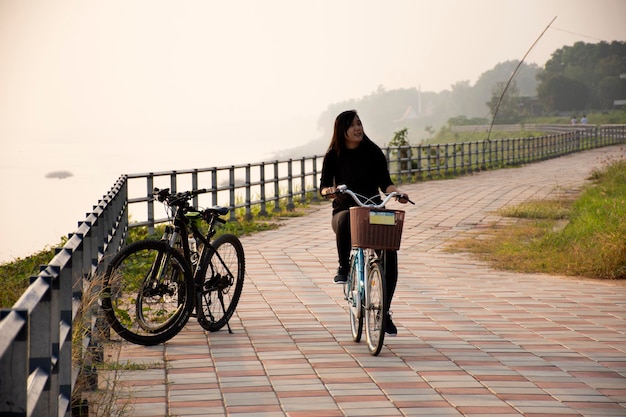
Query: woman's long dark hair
342, 124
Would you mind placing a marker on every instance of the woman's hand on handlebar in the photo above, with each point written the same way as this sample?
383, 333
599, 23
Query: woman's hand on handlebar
404, 198
329, 192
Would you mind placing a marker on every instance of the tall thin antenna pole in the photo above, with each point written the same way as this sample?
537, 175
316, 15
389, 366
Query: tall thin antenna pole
513, 75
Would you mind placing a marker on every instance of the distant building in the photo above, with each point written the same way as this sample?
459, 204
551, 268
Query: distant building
412, 111
409, 114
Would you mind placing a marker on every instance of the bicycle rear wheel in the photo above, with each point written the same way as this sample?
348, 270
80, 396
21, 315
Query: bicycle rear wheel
375, 308
147, 294
355, 301
223, 272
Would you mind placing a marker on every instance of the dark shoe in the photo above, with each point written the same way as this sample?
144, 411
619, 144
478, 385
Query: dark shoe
341, 279
342, 275
390, 328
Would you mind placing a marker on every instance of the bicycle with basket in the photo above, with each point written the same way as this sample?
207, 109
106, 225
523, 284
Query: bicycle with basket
152, 287
374, 230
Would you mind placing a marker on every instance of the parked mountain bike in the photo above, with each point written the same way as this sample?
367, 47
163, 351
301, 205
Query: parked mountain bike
373, 230
152, 287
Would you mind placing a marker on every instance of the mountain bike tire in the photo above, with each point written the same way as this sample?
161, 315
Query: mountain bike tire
224, 271
375, 310
147, 294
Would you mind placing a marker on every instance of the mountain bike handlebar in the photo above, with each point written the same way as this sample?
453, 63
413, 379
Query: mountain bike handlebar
164, 195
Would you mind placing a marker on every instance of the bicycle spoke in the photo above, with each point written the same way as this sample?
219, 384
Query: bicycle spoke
147, 293
223, 282
375, 309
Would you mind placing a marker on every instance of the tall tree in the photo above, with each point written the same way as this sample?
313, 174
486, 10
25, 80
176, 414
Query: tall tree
560, 93
582, 76
505, 105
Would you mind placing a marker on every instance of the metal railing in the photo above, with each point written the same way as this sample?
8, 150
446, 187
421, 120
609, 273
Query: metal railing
36, 371
276, 185
413, 163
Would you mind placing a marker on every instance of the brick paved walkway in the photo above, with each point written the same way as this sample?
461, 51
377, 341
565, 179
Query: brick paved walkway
472, 341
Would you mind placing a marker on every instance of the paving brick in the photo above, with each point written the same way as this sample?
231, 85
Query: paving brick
472, 341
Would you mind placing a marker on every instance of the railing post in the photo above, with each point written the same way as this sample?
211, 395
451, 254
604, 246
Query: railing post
438, 160
64, 363
263, 211
409, 163
398, 163
276, 208
231, 191
463, 168
14, 365
516, 145
484, 156
498, 157
428, 150
194, 186
173, 187
290, 205
40, 352
150, 189
248, 203
214, 186
420, 163
303, 180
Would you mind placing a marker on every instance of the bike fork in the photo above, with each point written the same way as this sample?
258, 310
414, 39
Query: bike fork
360, 292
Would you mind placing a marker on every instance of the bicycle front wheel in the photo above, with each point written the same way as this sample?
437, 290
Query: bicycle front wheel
223, 272
147, 294
355, 301
375, 309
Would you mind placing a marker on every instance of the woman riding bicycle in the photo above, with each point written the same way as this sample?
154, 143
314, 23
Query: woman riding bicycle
354, 160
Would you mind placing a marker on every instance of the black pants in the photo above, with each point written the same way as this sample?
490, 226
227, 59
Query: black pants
341, 227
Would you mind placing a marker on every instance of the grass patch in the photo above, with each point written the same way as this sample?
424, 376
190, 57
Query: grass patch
584, 237
128, 366
15, 274
539, 209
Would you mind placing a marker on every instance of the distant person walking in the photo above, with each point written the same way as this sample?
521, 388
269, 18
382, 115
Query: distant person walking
584, 119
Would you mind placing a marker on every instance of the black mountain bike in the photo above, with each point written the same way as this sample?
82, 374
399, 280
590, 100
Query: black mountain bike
152, 287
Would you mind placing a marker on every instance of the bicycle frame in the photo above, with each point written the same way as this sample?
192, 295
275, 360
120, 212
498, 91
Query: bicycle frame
364, 257
179, 235
185, 229
358, 255
367, 272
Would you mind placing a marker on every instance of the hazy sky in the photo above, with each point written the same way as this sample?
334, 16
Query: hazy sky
106, 87
193, 65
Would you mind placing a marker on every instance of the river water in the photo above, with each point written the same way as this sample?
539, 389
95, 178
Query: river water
37, 211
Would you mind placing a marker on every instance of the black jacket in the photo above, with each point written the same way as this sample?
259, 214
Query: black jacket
363, 169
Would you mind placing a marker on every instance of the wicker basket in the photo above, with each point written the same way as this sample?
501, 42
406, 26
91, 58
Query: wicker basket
376, 228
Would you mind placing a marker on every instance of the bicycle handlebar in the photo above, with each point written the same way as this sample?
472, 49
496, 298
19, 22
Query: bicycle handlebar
164, 196
180, 201
343, 189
